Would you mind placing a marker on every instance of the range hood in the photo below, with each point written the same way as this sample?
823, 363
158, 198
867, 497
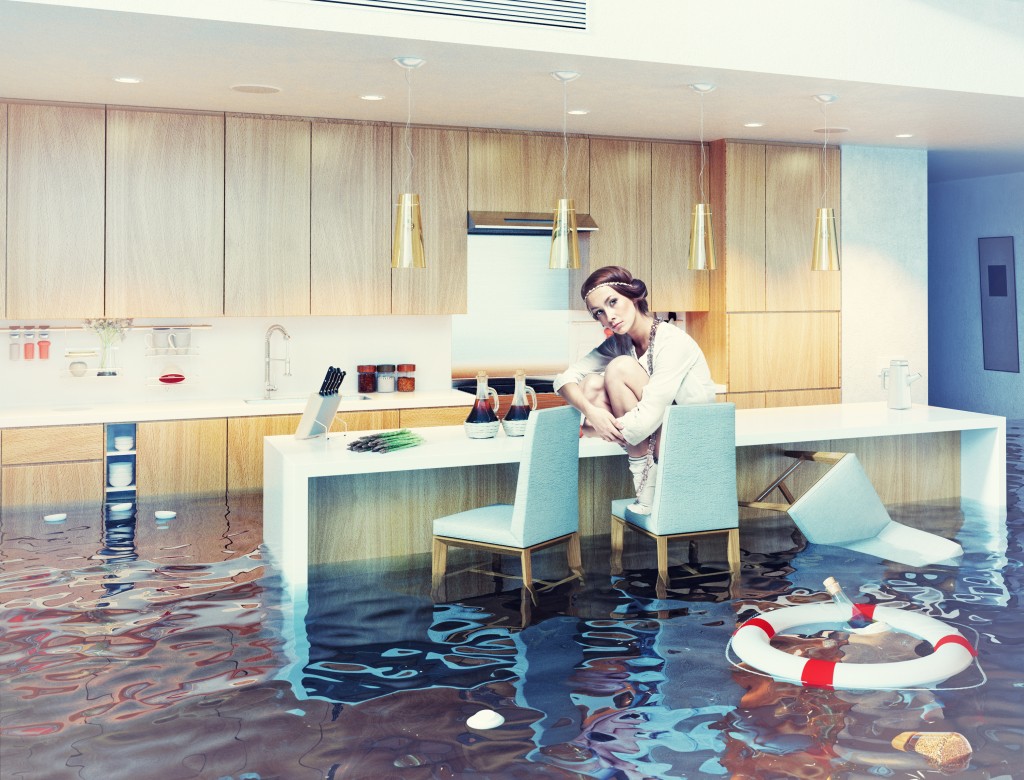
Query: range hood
520, 223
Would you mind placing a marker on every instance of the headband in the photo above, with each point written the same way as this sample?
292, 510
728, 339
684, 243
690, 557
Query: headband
599, 286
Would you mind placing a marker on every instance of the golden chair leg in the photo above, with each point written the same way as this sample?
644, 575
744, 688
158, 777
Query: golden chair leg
734, 550
438, 566
662, 543
618, 530
575, 555
528, 575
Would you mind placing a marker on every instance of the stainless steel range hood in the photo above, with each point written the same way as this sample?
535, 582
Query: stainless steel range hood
520, 223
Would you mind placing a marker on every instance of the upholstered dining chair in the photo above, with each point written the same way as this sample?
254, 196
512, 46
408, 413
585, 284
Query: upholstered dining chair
696, 489
546, 508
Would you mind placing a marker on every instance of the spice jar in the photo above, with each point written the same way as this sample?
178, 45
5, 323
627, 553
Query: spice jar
367, 379
406, 377
386, 378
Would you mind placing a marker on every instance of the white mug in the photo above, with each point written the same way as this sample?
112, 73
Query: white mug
158, 340
180, 340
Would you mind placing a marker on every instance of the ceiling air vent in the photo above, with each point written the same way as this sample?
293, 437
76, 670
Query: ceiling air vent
546, 13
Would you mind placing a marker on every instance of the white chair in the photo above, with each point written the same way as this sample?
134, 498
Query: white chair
546, 508
696, 489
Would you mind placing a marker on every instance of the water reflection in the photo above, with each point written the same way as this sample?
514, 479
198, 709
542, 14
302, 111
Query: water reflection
130, 647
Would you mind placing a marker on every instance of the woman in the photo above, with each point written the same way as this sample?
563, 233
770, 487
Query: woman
624, 386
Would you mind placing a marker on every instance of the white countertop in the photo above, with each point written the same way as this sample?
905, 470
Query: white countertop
36, 416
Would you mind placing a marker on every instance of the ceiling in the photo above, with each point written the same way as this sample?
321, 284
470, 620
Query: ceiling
55, 52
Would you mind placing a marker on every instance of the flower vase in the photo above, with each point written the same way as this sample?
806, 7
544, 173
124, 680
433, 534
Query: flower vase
108, 366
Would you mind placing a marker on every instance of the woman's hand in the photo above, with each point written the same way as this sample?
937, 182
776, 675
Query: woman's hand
604, 424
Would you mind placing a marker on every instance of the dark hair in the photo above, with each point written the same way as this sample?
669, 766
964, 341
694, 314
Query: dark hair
622, 280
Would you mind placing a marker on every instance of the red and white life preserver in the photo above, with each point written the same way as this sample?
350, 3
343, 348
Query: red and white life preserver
951, 652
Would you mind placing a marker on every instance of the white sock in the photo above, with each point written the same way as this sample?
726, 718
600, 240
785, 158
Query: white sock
645, 497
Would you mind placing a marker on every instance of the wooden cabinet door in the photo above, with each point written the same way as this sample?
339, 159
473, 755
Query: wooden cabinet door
744, 225
675, 188
181, 457
620, 203
793, 194
165, 214
55, 221
49, 487
352, 209
3, 210
783, 351
266, 217
439, 176
434, 416
523, 171
52, 444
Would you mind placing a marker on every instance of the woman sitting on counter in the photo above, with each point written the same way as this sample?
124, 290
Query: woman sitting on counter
624, 386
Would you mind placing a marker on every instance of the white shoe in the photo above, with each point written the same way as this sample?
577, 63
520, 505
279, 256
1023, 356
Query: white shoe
639, 509
644, 497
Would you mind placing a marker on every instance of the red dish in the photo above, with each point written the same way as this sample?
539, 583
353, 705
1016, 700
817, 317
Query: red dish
172, 379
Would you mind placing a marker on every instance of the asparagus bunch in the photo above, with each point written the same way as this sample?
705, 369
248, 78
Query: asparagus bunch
389, 441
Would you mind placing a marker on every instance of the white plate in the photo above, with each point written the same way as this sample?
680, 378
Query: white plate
121, 507
164, 514
56, 517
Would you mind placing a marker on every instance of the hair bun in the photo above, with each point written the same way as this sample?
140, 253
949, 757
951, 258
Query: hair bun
637, 288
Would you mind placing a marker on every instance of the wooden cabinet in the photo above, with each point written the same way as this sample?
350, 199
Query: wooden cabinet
434, 416
181, 457
165, 214
51, 468
523, 171
245, 440
675, 188
3, 209
266, 217
55, 178
439, 176
783, 351
351, 213
620, 203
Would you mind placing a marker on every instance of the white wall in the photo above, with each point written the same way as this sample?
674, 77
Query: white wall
885, 267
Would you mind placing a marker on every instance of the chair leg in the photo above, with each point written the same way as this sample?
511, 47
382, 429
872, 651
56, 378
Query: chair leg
575, 556
438, 565
662, 542
734, 550
618, 530
528, 574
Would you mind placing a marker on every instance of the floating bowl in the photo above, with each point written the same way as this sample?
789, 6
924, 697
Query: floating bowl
56, 517
165, 514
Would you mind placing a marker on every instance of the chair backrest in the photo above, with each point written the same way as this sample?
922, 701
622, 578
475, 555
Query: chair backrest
547, 493
696, 487
841, 507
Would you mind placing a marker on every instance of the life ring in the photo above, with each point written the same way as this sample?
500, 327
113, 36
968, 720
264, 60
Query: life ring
951, 652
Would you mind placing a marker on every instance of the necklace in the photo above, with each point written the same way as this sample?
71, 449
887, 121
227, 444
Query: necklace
653, 440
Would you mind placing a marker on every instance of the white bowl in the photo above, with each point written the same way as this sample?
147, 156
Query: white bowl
123, 442
124, 506
56, 517
165, 514
120, 480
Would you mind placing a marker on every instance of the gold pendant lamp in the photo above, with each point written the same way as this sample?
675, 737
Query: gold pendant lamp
825, 252
702, 235
565, 245
407, 246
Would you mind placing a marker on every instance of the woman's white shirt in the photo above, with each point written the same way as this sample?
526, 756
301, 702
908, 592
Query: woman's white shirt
681, 375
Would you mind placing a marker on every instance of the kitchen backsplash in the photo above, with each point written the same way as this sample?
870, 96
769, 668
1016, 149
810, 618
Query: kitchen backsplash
226, 359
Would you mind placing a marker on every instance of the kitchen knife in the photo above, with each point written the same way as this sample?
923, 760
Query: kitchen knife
327, 380
338, 380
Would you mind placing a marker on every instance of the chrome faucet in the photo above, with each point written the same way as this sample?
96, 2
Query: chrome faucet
268, 386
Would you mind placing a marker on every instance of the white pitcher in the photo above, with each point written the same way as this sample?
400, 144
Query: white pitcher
896, 379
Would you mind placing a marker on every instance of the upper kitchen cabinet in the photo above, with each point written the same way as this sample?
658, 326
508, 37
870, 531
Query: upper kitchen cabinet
620, 203
266, 217
439, 176
793, 194
675, 188
3, 209
351, 219
55, 177
165, 214
523, 172
738, 211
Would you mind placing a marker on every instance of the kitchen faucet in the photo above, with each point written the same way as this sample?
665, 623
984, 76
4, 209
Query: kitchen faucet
268, 386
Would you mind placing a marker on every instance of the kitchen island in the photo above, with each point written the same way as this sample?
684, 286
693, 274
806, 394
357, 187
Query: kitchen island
324, 504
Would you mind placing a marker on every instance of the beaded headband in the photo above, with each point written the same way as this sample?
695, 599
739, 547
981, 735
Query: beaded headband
603, 284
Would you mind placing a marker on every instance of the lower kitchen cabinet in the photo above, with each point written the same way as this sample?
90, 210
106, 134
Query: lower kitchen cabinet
433, 416
182, 457
47, 468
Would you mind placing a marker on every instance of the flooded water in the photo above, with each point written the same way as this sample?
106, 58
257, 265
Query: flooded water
138, 648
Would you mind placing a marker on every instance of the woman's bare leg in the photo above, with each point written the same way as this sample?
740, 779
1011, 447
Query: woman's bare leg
624, 382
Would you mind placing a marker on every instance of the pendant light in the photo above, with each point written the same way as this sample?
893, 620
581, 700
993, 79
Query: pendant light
825, 253
565, 245
702, 236
407, 246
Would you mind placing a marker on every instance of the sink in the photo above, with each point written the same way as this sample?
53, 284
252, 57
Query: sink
300, 398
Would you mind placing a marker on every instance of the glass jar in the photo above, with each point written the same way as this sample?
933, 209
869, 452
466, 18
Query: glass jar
367, 379
406, 377
386, 378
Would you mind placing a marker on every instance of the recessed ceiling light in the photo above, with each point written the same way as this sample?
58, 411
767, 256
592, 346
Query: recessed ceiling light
127, 80
753, 124
578, 111
256, 89
904, 135
371, 97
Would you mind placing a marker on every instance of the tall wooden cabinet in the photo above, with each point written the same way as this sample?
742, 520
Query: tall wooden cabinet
773, 325
55, 178
266, 217
620, 203
351, 212
439, 176
165, 214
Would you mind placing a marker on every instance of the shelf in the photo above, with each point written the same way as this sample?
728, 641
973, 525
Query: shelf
125, 489
172, 352
120, 452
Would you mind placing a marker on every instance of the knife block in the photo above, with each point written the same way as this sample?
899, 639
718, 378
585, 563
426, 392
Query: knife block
316, 419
